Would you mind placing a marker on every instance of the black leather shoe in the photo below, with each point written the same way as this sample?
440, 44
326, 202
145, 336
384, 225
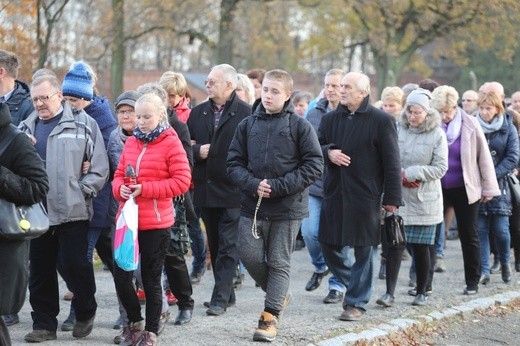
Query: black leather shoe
315, 280
215, 310
506, 273
333, 297
183, 317
495, 268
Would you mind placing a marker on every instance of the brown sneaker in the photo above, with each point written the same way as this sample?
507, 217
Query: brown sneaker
351, 313
132, 333
266, 330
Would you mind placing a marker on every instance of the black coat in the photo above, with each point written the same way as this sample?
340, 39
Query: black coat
20, 104
282, 148
213, 187
351, 208
23, 180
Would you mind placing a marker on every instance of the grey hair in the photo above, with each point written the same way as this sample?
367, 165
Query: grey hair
335, 72
363, 83
53, 81
154, 88
230, 74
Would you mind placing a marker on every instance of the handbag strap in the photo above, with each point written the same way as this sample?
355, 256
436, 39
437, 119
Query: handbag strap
8, 138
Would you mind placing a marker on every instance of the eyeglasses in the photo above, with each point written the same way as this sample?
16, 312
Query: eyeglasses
468, 100
126, 111
211, 82
43, 99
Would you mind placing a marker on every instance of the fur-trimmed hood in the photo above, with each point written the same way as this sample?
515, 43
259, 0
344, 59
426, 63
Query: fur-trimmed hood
433, 120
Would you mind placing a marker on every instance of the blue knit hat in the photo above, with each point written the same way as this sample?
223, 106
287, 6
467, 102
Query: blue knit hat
78, 82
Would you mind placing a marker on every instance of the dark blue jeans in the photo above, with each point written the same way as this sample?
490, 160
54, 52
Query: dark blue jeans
198, 242
63, 247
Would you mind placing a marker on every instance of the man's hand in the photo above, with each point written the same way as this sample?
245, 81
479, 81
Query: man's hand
338, 158
203, 151
264, 189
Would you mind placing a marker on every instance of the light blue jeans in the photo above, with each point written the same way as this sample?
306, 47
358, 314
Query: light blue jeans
357, 277
310, 228
498, 225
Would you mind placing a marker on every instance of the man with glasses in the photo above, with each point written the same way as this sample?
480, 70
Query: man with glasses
469, 102
13, 92
65, 138
212, 125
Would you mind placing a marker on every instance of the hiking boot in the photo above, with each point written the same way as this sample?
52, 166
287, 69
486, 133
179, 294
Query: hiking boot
83, 328
439, 265
68, 324
333, 297
266, 330
40, 335
148, 339
132, 333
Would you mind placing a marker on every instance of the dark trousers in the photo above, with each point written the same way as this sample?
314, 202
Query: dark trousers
104, 248
179, 281
5, 339
198, 241
222, 231
393, 256
514, 230
63, 247
152, 245
422, 257
466, 215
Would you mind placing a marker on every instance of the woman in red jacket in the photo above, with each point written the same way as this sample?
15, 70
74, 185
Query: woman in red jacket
163, 172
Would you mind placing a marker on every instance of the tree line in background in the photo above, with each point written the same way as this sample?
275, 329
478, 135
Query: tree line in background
386, 38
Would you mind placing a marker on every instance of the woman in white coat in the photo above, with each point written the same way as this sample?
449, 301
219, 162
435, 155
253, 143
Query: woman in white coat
424, 161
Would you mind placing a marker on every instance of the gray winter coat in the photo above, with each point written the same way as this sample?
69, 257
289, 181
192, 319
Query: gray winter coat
75, 138
424, 157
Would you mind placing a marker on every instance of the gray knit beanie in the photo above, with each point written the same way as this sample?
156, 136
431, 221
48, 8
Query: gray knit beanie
420, 97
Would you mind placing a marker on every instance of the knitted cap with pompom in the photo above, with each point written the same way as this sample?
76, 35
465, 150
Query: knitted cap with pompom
78, 82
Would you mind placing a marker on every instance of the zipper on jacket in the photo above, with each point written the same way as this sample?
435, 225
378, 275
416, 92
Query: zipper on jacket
138, 163
156, 210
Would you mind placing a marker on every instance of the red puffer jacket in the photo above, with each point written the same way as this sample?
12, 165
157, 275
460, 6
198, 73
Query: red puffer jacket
163, 170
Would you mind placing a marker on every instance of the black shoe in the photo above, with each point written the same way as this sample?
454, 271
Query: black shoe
230, 304
315, 280
11, 319
469, 291
517, 267
506, 273
333, 297
83, 328
495, 268
40, 335
215, 310
183, 317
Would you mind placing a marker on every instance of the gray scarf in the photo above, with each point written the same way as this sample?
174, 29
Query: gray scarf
493, 126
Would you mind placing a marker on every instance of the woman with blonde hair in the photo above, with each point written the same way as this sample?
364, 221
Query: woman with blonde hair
493, 218
470, 178
177, 89
245, 89
392, 100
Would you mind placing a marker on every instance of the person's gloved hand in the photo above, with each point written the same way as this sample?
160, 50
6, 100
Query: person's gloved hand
410, 184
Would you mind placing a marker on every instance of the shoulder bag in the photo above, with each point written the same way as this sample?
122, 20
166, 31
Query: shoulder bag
20, 222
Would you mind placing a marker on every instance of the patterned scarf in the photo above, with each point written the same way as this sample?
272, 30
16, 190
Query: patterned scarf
150, 136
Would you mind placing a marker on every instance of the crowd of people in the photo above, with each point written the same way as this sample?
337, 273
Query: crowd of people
261, 167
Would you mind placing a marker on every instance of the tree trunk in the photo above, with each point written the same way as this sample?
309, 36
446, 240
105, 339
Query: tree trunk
117, 65
226, 24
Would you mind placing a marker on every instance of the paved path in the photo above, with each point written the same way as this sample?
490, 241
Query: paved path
307, 321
